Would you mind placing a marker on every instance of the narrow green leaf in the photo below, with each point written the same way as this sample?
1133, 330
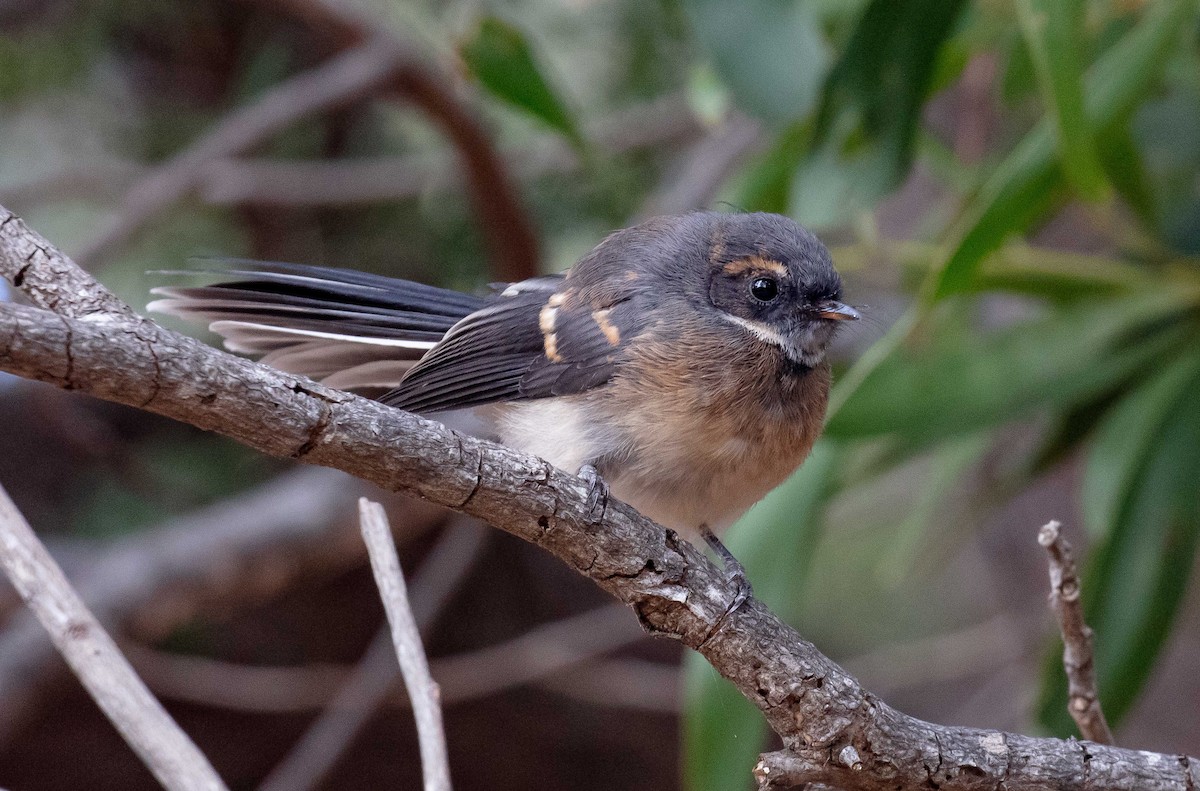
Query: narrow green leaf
870, 108
1127, 435
1027, 181
884, 74
963, 382
1054, 33
724, 733
504, 63
1137, 576
771, 53
1123, 162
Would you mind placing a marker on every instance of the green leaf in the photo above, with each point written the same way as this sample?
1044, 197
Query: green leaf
1029, 178
870, 108
1054, 33
961, 382
1123, 162
884, 73
771, 53
1149, 452
504, 63
1059, 275
723, 733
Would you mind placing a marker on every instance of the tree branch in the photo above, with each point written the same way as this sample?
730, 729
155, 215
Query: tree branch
504, 222
423, 692
200, 553
341, 80
833, 730
1083, 701
144, 724
365, 689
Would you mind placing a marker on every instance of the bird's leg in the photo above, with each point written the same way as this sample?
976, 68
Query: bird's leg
735, 572
597, 496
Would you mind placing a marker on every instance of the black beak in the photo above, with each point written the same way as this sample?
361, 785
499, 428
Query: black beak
832, 310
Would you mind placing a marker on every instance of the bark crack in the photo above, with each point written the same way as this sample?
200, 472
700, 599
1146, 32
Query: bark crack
68, 377
478, 475
316, 431
19, 278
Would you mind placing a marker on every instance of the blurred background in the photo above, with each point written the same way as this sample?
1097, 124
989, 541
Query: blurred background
1010, 189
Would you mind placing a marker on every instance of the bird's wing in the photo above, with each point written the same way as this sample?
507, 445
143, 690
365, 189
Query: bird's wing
539, 338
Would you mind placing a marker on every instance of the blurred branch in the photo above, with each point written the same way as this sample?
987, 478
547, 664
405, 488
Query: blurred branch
93, 656
348, 182
834, 731
635, 684
423, 693
1083, 700
341, 80
504, 222
328, 737
536, 655
160, 576
705, 166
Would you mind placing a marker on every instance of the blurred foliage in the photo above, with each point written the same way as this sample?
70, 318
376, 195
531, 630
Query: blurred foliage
1087, 105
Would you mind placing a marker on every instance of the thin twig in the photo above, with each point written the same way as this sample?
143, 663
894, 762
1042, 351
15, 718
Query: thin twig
163, 747
422, 690
1078, 657
367, 179
328, 737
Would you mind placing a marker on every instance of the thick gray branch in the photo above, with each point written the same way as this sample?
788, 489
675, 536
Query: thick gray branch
835, 731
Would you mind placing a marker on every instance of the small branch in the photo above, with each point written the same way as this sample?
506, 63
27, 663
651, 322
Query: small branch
1078, 657
341, 182
93, 656
705, 166
372, 679
503, 221
47, 277
422, 691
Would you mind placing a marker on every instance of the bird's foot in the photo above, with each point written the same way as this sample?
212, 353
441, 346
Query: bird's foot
597, 494
735, 572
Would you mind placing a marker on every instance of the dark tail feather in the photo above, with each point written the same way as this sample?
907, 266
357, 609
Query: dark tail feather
353, 330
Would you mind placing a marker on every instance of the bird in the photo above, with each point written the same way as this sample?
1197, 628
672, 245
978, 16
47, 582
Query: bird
680, 366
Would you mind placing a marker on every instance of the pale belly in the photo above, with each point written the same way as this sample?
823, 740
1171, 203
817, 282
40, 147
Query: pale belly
681, 473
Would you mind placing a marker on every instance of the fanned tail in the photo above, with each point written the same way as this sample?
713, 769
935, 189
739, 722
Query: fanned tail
350, 330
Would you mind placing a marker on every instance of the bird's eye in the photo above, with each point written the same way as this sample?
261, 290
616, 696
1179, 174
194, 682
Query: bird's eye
764, 289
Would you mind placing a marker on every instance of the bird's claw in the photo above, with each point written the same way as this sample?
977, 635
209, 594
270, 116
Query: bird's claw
735, 572
597, 493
